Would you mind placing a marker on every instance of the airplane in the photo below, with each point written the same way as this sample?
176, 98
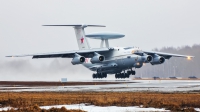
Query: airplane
119, 61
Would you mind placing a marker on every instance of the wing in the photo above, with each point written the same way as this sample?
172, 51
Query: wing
167, 55
67, 54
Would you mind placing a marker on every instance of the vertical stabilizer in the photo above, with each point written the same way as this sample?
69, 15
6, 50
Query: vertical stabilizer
81, 39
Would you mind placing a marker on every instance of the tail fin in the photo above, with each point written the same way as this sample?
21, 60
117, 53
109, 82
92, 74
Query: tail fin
80, 34
81, 39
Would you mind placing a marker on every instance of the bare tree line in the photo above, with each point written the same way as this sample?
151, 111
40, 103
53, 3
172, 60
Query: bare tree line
174, 67
24, 69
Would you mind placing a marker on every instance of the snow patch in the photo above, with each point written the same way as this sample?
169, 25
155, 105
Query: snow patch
93, 108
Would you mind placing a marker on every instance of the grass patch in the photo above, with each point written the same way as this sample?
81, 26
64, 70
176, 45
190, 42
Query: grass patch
171, 101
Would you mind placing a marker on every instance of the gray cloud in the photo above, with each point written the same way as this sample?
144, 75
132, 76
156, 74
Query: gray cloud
146, 24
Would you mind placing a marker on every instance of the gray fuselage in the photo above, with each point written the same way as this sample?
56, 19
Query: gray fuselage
117, 60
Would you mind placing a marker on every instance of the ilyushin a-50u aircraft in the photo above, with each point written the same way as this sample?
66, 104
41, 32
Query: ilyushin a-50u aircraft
120, 61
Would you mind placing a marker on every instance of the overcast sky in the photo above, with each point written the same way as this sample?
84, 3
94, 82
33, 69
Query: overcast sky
146, 23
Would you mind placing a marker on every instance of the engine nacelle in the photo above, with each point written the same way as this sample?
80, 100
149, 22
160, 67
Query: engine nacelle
147, 58
97, 58
78, 59
158, 60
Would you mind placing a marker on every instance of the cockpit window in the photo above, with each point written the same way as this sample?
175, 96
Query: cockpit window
126, 48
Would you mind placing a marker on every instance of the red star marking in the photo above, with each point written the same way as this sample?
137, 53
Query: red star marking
82, 39
86, 60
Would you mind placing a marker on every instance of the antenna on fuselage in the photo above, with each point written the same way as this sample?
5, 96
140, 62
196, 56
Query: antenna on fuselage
104, 37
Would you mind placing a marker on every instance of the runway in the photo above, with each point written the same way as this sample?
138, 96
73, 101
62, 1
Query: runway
112, 85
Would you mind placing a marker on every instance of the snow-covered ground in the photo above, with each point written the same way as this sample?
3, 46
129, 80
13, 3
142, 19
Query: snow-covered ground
92, 108
5, 108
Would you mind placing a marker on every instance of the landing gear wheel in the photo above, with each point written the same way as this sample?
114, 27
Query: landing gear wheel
104, 75
133, 72
126, 75
117, 75
93, 76
99, 75
123, 75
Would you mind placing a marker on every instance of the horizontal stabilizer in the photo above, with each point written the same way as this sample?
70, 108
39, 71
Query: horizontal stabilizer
78, 25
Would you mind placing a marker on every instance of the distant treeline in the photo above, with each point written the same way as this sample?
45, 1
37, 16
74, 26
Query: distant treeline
178, 67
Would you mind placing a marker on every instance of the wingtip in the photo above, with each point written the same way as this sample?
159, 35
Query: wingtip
8, 56
190, 57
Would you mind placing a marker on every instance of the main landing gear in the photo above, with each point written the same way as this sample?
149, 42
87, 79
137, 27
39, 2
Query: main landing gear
121, 75
117, 75
99, 75
131, 72
124, 75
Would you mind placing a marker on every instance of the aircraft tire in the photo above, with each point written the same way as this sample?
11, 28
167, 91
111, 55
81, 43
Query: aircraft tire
105, 75
122, 75
117, 75
93, 76
133, 72
98, 75
126, 75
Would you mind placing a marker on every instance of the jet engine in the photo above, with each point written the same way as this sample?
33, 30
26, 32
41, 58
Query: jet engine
78, 59
147, 58
158, 60
97, 58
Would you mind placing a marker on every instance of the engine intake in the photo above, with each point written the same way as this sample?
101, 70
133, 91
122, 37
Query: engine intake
158, 60
147, 58
78, 59
97, 58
